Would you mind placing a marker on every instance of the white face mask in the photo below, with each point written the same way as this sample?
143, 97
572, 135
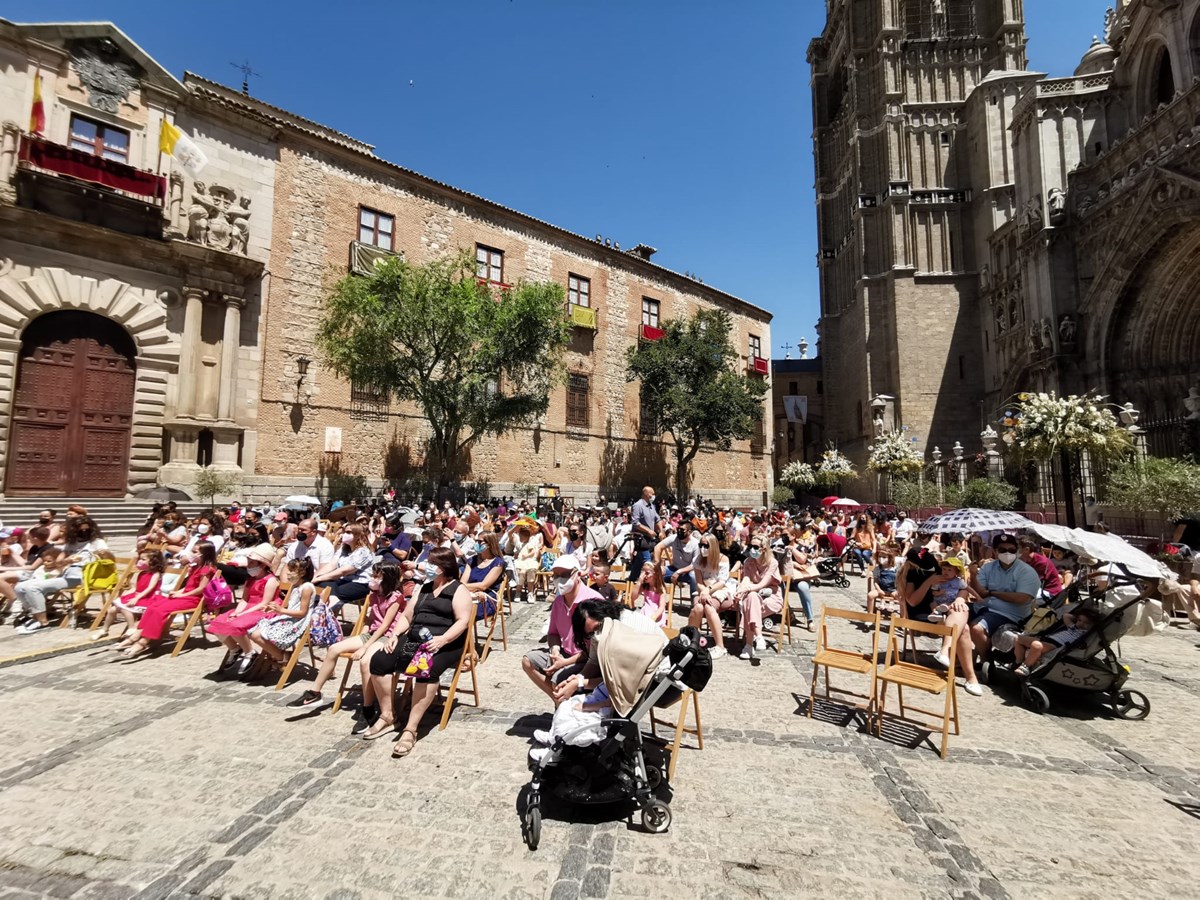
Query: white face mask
201, 529
254, 571
1006, 559
375, 584
563, 584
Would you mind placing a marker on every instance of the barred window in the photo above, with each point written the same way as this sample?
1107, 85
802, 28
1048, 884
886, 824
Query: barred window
368, 402
758, 438
577, 401
647, 423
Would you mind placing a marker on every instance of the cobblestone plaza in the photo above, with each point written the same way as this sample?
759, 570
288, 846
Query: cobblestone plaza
152, 779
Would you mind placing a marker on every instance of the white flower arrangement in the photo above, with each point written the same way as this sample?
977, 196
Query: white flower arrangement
1041, 425
799, 475
893, 454
833, 468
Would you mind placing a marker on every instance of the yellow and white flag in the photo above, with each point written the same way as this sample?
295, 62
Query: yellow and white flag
173, 142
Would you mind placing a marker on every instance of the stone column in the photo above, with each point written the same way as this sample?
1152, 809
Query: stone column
229, 355
193, 311
181, 470
225, 449
10, 136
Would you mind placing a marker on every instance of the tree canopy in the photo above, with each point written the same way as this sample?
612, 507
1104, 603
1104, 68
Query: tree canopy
691, 389
475, 359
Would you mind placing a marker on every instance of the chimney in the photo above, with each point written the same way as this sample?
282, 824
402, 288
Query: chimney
645, 251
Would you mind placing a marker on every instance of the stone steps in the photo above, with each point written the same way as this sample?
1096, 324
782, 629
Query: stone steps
116, 518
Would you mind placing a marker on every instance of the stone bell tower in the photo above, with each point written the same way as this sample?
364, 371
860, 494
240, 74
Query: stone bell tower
899, 284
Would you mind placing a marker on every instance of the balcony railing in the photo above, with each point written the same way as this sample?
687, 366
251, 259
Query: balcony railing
583, 316
41, 155
759, 365
650, 333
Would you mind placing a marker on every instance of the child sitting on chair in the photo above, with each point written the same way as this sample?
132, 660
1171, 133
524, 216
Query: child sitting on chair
600, 583
883, 585
650, 588
1031, 648
51, 565
576, 723
279, 633
150, 567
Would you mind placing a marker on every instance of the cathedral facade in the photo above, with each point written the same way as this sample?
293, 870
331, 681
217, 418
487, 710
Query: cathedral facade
986, 230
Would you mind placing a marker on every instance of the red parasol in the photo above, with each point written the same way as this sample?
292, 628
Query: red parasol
829, 501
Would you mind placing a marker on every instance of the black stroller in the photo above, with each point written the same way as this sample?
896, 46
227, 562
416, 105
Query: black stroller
1088, 664
833, 567
616, 766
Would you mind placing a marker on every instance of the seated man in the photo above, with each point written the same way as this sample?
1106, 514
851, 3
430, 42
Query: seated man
1052, 584
685, 553
546, 668
1007, 587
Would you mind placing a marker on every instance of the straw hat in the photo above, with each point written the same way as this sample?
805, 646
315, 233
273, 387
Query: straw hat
263, 553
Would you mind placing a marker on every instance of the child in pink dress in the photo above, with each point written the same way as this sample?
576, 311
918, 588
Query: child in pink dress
234, 627
150, 566
161, 608
651, 589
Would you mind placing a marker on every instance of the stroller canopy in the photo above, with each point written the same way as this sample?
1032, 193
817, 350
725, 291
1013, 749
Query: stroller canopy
628, 658
1103, 547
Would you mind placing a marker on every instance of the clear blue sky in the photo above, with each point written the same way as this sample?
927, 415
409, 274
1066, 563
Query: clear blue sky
684, 124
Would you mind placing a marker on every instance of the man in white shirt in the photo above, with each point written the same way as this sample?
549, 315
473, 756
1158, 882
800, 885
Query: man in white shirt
308, 545
903, 529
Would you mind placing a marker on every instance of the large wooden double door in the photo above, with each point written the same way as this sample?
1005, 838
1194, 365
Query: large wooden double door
73, 408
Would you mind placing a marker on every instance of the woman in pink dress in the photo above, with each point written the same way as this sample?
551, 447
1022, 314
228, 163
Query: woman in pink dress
233, 627
161, 607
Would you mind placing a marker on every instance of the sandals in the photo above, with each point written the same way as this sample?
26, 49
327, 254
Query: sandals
404, 746
378, 730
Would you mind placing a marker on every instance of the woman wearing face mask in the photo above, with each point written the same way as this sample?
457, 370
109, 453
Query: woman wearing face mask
442, 612
351, 568
83, 545
483, 578
234, 626
715, 594
758, 593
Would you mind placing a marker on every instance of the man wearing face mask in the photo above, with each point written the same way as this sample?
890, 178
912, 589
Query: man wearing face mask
685, 554
1007, 587
647, 526
308, 545
560, 661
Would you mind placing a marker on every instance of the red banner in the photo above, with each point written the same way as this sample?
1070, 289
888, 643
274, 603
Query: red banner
56, 158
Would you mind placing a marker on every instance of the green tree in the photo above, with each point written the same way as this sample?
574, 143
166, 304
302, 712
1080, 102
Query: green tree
476, 360
691, 390
984, 493
782, 495
211, 482
1168, 487
913, 494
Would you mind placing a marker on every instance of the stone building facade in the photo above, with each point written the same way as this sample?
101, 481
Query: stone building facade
797, 410
156, 318
986, 230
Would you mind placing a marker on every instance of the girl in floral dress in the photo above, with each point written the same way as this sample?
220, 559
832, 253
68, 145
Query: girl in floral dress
281, 631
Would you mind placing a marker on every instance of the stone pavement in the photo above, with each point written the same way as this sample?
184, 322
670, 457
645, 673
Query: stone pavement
152, 779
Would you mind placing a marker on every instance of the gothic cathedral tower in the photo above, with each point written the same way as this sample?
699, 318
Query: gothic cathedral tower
899, 284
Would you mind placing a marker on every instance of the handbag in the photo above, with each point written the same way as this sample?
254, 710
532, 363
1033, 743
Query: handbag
217, 594
324, 629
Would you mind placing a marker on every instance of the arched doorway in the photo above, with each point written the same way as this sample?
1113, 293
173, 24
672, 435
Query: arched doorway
73, 408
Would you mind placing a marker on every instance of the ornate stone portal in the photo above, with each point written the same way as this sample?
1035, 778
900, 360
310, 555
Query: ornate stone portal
214, 220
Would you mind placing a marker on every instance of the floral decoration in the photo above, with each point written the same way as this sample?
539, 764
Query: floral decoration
834, 468
799, 475
1041, 425
893, 454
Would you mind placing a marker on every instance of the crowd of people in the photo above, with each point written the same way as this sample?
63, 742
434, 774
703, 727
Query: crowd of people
424, 574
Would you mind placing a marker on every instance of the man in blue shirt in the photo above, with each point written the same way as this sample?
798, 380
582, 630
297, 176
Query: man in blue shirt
645, 528
1007, 587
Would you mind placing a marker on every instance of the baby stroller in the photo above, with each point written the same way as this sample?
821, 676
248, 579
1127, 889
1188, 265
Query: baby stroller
1088, 664
833, 567
640, 671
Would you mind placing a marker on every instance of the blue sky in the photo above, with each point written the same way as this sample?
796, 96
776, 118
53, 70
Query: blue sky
684, 124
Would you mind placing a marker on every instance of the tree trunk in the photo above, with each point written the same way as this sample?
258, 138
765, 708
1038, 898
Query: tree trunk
681, 476
1064, 463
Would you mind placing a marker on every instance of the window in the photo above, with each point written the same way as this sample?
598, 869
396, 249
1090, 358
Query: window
577, 401
820, 388
793, 388
368, 403
376, 228
755, 347
489, 264
99, 139
758, 438
650, 310
579, 291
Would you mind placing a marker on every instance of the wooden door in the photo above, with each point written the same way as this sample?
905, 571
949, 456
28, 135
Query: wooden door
73, 409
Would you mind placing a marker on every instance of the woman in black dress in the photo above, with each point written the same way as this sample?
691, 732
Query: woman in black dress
443, 606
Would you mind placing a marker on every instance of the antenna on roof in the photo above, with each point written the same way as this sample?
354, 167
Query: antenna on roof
247, 72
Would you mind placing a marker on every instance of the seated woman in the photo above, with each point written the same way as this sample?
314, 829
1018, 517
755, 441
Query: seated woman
439, 621
278, 634
758, 593
385, 602
946, 597
161, 607
351, 569
484, 576
714, 595
525, 548
803, 571
150, 567
234, 627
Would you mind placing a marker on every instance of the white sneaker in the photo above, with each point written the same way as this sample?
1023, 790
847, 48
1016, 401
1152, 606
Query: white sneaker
30, 627
760, 643
942, 659
717, 652
538, 754
745, 654
542, 736
974, 688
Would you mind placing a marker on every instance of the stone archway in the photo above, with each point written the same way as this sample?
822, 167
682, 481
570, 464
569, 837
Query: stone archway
28, 292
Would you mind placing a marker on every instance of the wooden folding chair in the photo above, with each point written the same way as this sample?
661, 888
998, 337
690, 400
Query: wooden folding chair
127, 567
783, 630
921, 678
681, 727
321, 597
489, 622
468, 664
827, 657
349, 656
99, 576
195, 617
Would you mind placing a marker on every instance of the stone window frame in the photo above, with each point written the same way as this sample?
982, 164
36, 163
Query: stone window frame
369, 403
579, 291
578, 400
376, 231
492, 263
647, 424
98, 146
755, 347
651, 309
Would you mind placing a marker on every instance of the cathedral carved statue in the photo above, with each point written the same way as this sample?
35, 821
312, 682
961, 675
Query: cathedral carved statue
1048, 335
1056, 201
1192, 404
214, 221
1066, 331
1001, 319
1031, 218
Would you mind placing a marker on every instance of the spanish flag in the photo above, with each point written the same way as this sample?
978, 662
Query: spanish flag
37, 115
173, 142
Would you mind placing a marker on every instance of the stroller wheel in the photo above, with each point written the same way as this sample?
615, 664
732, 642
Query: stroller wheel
654, 777
533, 827
656, 817
1038, 700
985, 672
1132, 705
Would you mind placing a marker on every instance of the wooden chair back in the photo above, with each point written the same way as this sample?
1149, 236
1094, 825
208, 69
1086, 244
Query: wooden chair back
828, 657
320, 596
918, 677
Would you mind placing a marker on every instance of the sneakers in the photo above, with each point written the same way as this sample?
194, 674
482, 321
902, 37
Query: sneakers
974, 688
99, 636
760, 643
542, 736
717, 652
746, 652
30, 627
367, 716
936, 619
538, 754
942, 659
308, 698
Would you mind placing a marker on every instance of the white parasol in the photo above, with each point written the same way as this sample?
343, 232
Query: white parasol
1104, 547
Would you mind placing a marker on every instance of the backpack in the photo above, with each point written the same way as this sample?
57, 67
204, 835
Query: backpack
217, 594
324, 629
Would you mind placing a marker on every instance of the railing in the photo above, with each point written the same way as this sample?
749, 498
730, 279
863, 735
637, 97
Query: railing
582, 316
650, 333
40, 155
